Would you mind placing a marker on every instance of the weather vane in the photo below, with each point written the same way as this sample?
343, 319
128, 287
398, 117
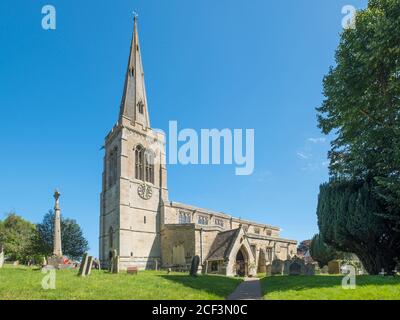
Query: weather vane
135, 14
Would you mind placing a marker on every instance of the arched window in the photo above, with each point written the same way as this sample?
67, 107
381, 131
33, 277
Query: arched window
140, 107
139, 162
149, 174
110, 237
184, 217
144, 164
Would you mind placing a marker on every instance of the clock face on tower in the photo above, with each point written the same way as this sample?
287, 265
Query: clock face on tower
145, 191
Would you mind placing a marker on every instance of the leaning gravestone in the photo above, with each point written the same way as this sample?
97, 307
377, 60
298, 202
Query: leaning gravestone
83, 266
195, 266
114, 262
89, 266
1, 256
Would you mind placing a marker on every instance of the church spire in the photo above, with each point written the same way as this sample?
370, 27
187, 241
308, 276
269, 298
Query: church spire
134, 100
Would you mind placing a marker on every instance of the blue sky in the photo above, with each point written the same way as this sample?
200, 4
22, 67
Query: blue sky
208, 64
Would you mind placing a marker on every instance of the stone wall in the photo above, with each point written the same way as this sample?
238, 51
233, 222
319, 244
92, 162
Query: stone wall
174, 236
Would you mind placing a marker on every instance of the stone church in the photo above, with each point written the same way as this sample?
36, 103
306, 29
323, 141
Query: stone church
147, 230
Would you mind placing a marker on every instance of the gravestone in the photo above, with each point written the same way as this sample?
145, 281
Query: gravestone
310, 269
334, 267
83, 266
317, 269
132, 270
96, 264
195, 266
268, 269
1, 256
86, 265
156, 264
89, 265
277, 267
324, 270
114, 263
295, 269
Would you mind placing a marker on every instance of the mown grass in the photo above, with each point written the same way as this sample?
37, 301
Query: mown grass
25, 283
325, 287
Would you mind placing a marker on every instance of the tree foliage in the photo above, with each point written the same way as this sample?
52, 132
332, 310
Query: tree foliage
348, 222
362, 104
17, 236
321, 252
74, 244
359, 209
303, 246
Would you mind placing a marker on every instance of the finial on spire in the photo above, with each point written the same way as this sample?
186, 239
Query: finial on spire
57, 194
135, 15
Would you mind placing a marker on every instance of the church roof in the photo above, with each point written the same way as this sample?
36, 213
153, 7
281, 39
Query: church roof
222, 245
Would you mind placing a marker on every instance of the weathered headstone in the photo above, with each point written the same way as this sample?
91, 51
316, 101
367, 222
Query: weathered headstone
194, 266
268, 270
1, 256
132, 270
114, 263
324, 270
89, 266
277, 267
295, 269
83, 266
334, 267
97, 264
317, 269
310, 269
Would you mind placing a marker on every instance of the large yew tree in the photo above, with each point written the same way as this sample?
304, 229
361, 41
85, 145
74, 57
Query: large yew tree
361, 204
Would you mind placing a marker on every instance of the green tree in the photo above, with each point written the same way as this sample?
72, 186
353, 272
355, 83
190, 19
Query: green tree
321, 252
74, 244
18, 236
359, 210
348, 222
303, 246
362, 105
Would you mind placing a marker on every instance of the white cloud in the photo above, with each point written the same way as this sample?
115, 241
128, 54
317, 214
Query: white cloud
302, 155
317, 140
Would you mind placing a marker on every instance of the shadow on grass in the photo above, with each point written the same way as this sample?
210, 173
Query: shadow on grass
213, 284
299, 283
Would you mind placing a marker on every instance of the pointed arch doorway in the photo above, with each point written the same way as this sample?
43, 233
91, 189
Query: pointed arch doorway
242, 261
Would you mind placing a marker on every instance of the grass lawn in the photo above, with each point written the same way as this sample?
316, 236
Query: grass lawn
325, 287
25, 283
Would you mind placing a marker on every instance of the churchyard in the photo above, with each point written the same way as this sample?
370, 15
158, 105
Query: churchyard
329, 287
21, 282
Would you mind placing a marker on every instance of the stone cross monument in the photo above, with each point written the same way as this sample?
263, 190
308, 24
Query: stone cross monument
57, 226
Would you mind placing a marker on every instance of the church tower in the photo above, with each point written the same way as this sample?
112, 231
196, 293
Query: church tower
134, 185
